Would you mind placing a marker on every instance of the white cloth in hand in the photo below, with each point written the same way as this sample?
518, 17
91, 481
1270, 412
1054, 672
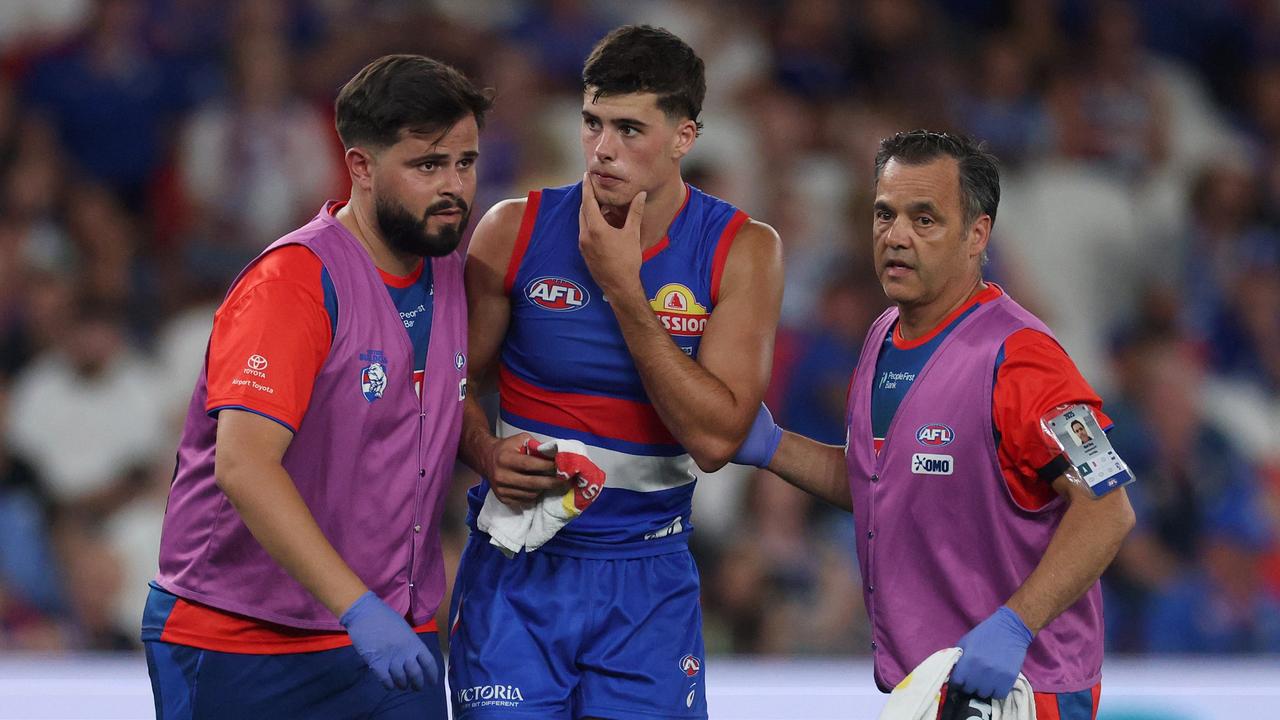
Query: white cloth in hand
514, 529
919, 695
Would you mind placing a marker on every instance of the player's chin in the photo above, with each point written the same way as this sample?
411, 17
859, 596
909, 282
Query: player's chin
617, 195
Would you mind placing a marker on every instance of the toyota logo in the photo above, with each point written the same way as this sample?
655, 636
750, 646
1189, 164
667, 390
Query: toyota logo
257, 362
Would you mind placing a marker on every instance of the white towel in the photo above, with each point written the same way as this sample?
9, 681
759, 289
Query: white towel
919, 694
513, 529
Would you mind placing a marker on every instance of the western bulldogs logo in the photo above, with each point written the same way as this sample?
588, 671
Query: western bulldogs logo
935, 435
373, 377
690, 665
557, 294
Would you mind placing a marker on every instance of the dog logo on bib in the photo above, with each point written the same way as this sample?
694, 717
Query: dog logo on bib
373, 376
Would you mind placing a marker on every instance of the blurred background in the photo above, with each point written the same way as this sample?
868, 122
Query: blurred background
149, 148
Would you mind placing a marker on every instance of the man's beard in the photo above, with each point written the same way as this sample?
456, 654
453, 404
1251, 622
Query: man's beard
408, 234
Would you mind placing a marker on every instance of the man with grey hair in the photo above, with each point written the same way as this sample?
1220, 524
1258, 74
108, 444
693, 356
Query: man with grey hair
974, 527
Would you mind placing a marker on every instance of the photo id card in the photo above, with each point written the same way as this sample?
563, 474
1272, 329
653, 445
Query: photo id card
1088, 449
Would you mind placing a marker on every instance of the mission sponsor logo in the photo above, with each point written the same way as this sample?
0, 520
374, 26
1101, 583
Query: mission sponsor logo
935, 435
679, 310
557, 294
925, 464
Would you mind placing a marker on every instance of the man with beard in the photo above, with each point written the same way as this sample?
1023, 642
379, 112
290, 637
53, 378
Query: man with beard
300, 565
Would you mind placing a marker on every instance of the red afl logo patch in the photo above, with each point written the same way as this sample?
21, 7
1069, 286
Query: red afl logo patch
690, 665
557, 294
935, 435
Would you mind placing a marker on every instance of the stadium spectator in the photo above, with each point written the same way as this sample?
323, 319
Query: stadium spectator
110, 98
96, 388
248, 162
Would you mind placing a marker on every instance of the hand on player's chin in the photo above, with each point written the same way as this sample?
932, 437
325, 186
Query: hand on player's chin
612, 254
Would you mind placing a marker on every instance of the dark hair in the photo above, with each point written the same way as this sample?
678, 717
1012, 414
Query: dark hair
643, 58
979, 172
1074, 423
405, 92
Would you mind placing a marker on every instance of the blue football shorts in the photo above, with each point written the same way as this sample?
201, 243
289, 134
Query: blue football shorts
193, 684
558, 637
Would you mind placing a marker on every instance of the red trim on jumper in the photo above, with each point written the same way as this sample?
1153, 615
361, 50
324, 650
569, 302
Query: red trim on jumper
987, 294
725, 242
336, 206
615, 418
662, 245
688, 192
208, 628
522, 238
665, 242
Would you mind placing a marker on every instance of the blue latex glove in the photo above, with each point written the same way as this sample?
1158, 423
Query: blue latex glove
388, 645
993, 655
762, 440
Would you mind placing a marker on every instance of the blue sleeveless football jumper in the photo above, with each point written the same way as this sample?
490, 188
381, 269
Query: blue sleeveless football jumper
604, 620
565, 370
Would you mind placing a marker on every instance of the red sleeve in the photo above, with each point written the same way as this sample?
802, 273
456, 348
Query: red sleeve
1036, 376
270, 338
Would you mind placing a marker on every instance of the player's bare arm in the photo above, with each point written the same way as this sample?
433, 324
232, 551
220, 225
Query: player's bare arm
516, 479
1084, 544
708, 404
247, 468
817, 468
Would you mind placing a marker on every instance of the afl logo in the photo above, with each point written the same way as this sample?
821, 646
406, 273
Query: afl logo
935, 435
557, 294
690, 665
257, 362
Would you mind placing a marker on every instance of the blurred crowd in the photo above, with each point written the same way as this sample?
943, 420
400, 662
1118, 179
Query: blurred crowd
149, 148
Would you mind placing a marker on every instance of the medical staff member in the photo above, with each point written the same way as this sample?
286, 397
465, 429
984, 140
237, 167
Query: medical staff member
300, 563
973, 527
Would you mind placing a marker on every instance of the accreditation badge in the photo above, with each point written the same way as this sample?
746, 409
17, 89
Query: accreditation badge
1096, 466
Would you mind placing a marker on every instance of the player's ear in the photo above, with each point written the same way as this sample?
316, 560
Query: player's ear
360, 165
686, 134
